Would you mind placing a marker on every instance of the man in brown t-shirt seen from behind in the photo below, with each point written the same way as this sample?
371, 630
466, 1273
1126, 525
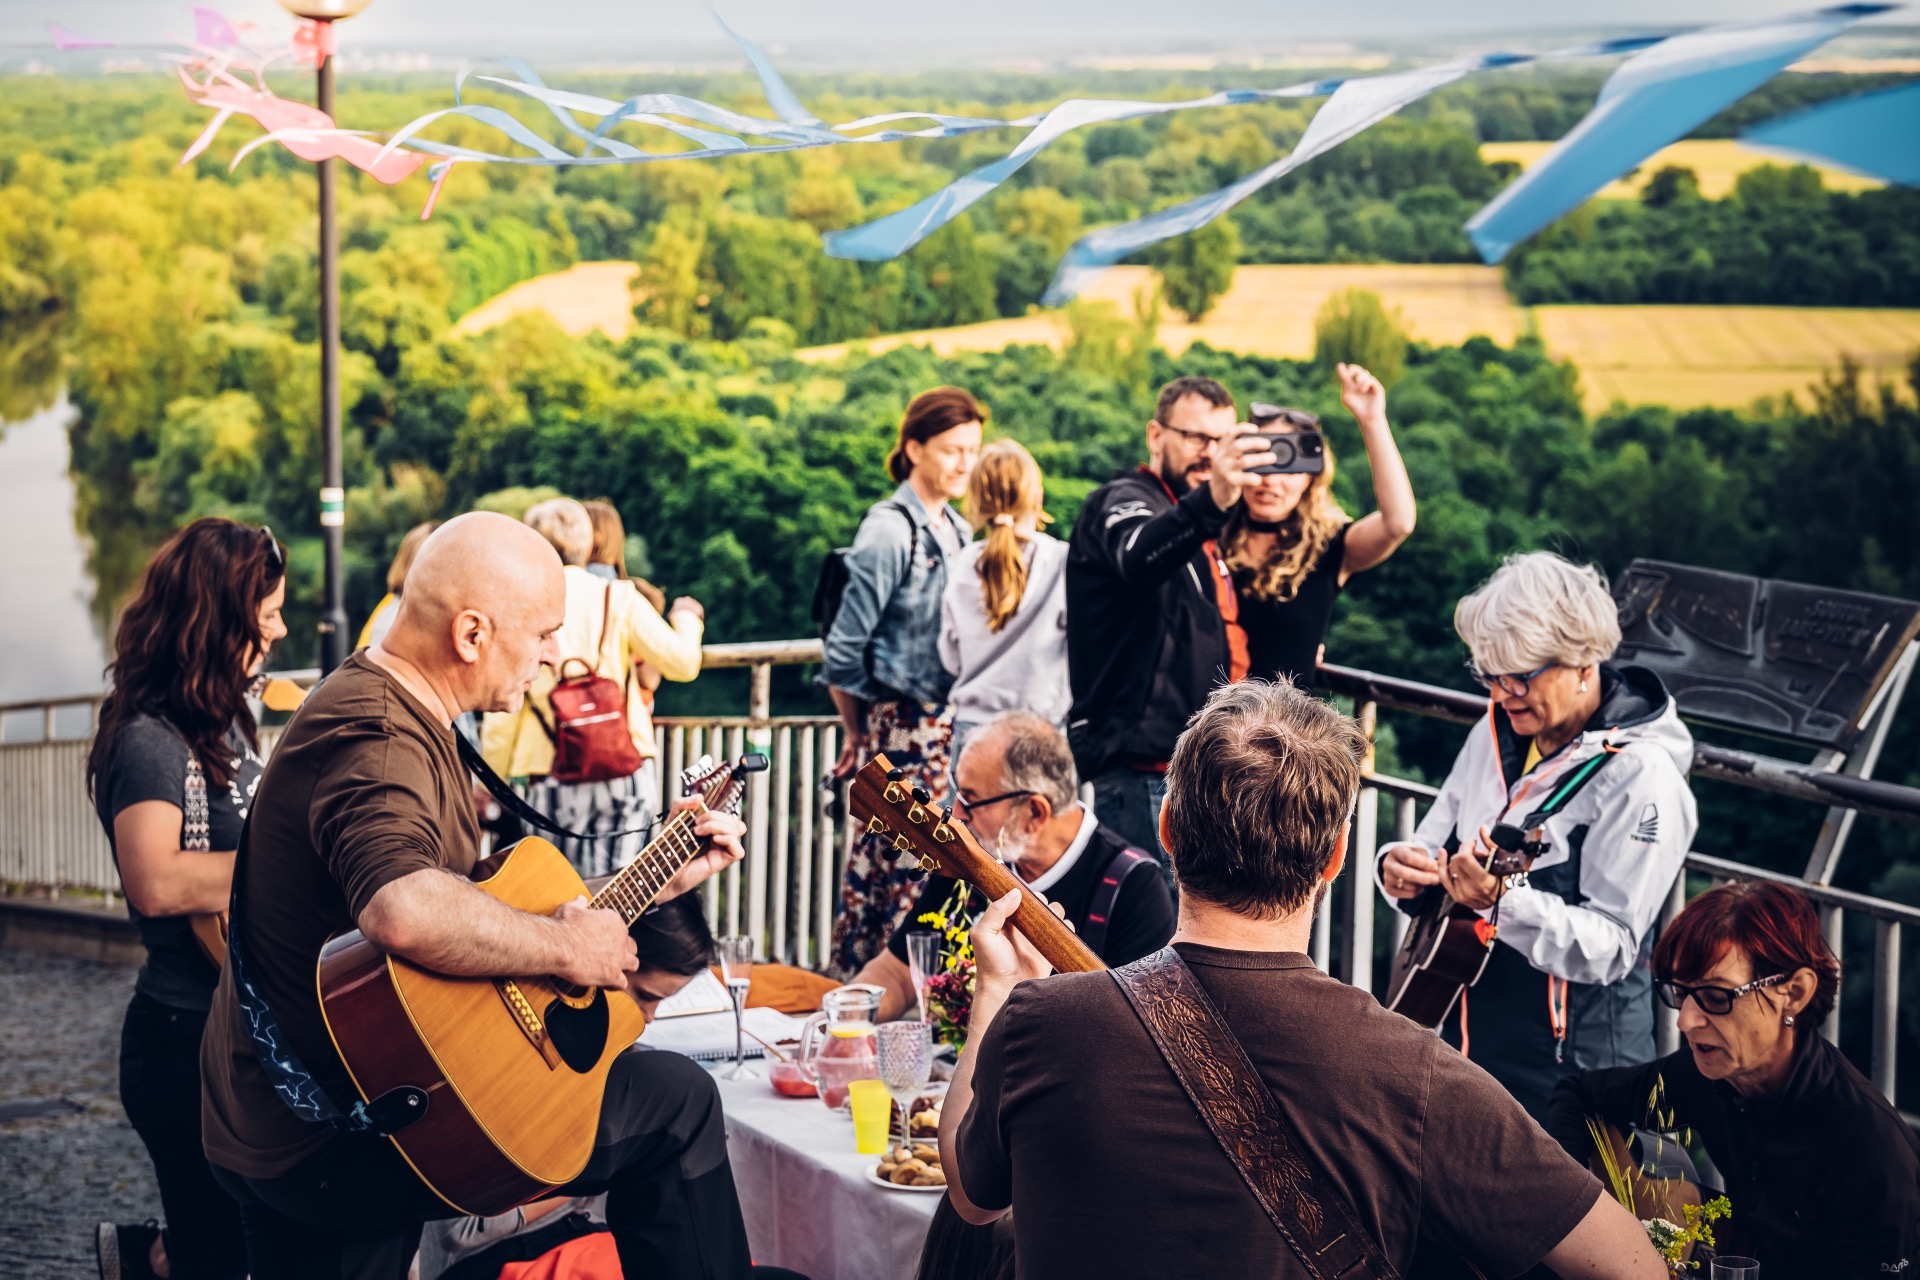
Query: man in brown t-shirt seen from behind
365, 820
1063, 1109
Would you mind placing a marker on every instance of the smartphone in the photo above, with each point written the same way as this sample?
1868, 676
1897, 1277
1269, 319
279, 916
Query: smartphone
1301, 450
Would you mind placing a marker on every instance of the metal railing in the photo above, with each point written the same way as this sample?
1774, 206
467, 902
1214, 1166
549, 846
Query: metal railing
786, 891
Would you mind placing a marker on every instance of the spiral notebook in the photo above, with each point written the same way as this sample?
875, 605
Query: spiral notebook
705, 994
708, 1037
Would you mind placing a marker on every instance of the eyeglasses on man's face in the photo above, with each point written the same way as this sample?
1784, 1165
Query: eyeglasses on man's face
967, 808
1514, 686
1714, 1000
1202, 440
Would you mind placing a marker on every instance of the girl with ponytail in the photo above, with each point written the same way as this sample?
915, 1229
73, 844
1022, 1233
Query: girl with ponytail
1004, 615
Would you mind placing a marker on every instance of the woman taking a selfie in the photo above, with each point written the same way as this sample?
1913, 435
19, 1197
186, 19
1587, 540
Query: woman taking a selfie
1290, 546
172, 772
882, 660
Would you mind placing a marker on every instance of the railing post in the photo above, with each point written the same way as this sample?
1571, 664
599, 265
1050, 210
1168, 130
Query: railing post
759, 737
1404, 825
826, 883
1666, 1021
1366, 825
1833, 924
1886, 1004
782, 830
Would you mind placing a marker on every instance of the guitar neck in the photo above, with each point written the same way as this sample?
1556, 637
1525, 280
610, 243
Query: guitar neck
640, 881
1047, 932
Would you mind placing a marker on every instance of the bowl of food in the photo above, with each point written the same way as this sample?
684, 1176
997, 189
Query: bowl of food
789, 1079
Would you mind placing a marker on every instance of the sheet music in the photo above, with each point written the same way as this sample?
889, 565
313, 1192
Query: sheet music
708, 1037
705, 994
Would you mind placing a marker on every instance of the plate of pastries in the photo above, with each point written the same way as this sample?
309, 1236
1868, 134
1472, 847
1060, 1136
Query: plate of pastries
914, 1165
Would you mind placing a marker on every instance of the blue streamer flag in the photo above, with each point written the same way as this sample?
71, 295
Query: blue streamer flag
1668, 87
1655, 98
1876, 135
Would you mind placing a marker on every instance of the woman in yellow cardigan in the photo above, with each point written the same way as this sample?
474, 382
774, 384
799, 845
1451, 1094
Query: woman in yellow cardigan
612, 627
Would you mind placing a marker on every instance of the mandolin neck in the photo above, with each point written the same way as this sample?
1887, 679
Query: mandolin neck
640, 881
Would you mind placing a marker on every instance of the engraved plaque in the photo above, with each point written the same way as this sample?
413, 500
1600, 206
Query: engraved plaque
1779, 658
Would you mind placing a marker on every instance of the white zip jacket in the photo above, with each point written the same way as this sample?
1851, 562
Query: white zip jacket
1631, 825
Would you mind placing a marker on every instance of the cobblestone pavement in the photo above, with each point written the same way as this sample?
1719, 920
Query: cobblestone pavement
60, 1037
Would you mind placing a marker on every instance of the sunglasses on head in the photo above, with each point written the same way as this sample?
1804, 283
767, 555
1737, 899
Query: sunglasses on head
275, 556
1717, 1001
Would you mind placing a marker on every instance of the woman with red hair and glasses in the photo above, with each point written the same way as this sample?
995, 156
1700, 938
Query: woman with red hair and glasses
1823, 1173
172, 772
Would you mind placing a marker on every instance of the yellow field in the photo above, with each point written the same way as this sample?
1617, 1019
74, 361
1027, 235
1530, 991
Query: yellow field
1716, 162
584, 297
1726, 356
1269, 311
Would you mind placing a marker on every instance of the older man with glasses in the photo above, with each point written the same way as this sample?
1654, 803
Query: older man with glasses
1591, 758
1019, 794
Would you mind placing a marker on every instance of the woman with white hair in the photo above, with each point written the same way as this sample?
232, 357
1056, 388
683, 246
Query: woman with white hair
610, 630
1595, 756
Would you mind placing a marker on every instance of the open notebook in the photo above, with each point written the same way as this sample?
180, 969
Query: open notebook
704, 994
708, 1037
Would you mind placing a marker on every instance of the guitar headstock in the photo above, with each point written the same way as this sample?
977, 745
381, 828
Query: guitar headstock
901, 812
719, 784
1514, 850
891, 806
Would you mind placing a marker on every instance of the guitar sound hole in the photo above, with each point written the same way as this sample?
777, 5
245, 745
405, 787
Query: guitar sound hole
578, 1035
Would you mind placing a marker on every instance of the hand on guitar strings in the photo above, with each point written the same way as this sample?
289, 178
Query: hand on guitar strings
1002, 956
720, 848
599, 950
1409, 870
1466, 879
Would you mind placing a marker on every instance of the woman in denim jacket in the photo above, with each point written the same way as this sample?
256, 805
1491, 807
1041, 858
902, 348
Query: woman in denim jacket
883, 654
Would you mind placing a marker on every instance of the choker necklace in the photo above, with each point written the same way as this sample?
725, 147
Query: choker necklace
1265, 526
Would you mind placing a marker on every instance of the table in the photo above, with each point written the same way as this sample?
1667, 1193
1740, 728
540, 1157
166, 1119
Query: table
805, 1194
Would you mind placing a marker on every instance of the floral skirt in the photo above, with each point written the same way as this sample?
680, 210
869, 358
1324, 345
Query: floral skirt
876, 892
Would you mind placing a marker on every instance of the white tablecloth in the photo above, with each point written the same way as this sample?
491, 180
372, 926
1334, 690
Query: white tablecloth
804, 1191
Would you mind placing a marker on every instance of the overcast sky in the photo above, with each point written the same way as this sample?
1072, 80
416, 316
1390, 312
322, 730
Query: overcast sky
636, 28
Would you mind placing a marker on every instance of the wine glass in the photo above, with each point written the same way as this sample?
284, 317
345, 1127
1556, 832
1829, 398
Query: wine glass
736, 965
1731, 1268
906, 1064
923, 960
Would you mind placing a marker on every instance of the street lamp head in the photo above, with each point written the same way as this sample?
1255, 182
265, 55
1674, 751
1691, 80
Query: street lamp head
324, 10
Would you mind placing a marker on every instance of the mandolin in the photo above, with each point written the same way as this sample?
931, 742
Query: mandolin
894, 808
1446, 948
512, 1068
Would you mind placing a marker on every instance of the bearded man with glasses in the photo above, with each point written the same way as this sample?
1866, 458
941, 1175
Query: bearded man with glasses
1566, 986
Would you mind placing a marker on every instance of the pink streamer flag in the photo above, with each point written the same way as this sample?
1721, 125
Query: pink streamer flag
64, 39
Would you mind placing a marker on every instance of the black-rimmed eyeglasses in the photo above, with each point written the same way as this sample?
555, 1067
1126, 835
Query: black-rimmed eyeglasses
966, 807
1514, 686
1717, 1001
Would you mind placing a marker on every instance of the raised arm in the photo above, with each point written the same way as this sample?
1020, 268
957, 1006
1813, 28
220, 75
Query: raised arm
1379, 534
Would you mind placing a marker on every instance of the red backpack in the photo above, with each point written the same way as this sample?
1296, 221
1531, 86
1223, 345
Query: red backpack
589, 730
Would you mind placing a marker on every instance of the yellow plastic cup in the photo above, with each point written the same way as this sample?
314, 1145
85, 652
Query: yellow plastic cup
872, 1116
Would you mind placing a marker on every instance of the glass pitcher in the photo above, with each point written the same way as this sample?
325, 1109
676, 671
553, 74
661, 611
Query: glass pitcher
838, 1044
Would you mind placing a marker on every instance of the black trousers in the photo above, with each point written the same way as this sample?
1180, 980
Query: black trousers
354, 1210
160, 1089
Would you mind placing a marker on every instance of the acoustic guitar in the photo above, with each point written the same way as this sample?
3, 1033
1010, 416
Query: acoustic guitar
899, 811
1446, 949
511, 1069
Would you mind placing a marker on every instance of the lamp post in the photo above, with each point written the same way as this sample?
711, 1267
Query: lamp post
333, 494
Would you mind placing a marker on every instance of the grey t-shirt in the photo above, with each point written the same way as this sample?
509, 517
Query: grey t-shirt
150, 763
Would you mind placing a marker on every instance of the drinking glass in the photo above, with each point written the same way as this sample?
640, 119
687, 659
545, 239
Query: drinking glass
736, 965
872, 1116
1731, 1268
906, 1063
923, 959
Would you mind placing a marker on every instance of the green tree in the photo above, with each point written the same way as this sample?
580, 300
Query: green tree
1355, 327
1196, 268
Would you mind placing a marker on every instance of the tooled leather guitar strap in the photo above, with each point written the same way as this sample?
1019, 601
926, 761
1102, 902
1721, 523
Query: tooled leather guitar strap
1239, 1110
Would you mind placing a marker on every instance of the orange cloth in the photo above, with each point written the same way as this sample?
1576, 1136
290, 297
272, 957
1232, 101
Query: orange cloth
783, 987
591, 1257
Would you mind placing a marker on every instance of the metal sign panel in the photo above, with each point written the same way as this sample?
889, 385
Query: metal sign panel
1779, 658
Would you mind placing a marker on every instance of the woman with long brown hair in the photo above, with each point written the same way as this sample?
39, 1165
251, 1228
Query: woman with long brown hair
1003, 630
882, 661
1292, 549
172, 772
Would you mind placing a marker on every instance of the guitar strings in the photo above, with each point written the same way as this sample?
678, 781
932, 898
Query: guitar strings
646, 871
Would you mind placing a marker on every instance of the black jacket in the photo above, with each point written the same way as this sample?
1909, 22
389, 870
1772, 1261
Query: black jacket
1824, 1176
1145, 640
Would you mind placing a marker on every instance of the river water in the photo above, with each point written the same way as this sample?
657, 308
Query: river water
50, 645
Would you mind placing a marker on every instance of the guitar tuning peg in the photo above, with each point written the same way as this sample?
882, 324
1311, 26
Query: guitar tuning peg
875, 827
903, 844
896, 775
915, 873
943, 827
922, 795
895, 793
917, 815
928, 864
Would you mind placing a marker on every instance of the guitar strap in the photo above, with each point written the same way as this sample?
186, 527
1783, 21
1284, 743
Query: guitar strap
1239, 1110
500, 789
386, 1115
